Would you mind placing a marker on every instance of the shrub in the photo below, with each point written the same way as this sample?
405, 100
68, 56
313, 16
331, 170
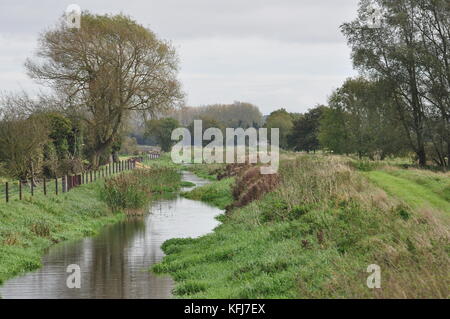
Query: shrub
132, 191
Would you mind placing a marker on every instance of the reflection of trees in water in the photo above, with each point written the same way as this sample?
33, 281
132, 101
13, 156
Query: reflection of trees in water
109, 273
115, 263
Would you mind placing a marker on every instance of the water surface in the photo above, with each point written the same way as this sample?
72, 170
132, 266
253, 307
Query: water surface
115, 263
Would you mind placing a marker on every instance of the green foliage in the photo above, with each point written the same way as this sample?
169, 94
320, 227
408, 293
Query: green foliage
217, 193
361, 121
161, 131
124, 192
282, 120
132, 191
304, 135
408, 52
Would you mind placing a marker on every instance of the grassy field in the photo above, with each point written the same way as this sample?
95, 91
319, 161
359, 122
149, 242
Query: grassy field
30, 226
315, 235
420, 189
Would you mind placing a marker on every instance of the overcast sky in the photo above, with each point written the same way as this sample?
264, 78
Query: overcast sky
272, 53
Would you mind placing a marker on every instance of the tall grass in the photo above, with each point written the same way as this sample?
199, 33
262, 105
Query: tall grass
217, 194
132, 191
314, 236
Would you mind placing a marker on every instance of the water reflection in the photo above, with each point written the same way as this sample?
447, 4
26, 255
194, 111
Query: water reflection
115, 263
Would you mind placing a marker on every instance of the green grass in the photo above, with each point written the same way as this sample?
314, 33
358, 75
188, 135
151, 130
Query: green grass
416, 188
30, 226
217, 193
206, 171
314, 237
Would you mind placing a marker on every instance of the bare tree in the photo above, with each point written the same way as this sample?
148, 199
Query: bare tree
105, 70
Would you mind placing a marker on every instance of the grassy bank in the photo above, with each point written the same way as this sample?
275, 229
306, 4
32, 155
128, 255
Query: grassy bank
420, 189
217, 193
206, 171
30, 226
314, 236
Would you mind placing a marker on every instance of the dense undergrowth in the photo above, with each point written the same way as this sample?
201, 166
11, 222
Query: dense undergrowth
131, 192
314, 236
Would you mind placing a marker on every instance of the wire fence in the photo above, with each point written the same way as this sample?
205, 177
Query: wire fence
19, 190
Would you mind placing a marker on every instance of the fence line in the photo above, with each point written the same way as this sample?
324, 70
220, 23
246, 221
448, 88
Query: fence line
60, 185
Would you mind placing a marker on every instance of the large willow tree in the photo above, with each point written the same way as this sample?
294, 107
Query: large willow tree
105, 70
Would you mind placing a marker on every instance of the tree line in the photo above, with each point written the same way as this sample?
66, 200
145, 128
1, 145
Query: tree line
221, 116
400, 102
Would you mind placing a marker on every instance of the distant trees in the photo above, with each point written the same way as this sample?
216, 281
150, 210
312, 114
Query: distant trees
304, 135
109, 68
410, 52
360, 120
234, 115
282, 120
161, 131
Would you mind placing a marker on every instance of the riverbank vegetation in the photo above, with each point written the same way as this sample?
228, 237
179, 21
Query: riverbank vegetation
131, 192
30, 226
217, 193
315, 234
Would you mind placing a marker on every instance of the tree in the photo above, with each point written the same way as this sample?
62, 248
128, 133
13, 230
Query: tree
161, 131
361, 120
304, 135
129, 146
333, 134
105, 70
22, 141
282, 120
392, 53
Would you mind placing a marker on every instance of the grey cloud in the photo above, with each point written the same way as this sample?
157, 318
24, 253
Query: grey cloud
272, 53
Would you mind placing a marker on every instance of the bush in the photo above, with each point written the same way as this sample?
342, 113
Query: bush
132, 191
124, 193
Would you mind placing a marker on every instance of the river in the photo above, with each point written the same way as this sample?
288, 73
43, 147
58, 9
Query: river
116, 262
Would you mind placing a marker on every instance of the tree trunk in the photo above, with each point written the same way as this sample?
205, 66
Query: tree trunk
448, 155
421, 155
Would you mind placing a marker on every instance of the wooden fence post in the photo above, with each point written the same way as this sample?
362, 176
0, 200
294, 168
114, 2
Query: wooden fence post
56, 185
20, 190
7, 191
45, 187
32, 188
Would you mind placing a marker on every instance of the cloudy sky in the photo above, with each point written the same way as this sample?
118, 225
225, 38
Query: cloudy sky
272, 53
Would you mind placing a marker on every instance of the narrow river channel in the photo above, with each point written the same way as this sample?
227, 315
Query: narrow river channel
115, 263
